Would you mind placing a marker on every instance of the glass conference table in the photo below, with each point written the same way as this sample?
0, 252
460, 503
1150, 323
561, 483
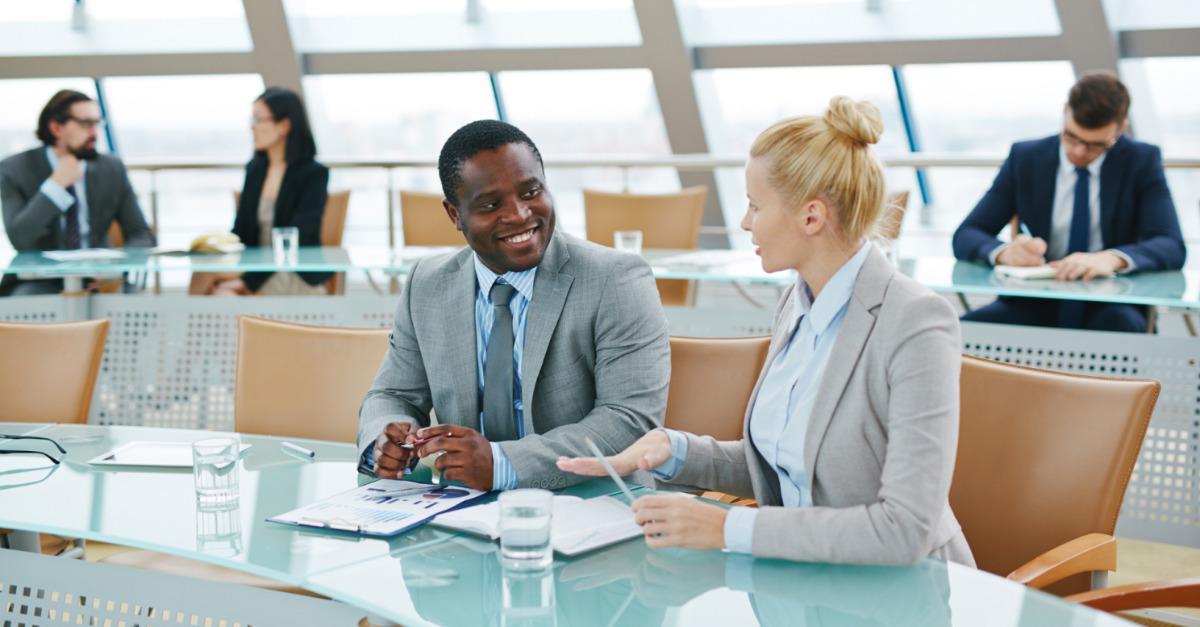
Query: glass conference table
1176, 290
431, 576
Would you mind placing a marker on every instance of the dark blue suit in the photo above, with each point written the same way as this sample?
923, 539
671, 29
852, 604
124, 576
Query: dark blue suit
1137, 217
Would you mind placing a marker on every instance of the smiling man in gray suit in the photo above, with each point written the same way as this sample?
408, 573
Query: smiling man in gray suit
64, 194
523, 343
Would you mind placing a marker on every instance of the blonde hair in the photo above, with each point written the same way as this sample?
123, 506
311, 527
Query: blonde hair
829, 158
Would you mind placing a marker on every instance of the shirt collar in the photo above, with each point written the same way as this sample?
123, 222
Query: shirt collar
834, 297
53, 159
1065, 166
522, 281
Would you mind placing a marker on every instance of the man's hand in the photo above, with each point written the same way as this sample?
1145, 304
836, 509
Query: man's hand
648, 452
673, 520
466, 454
1087, 266
1023, 251
390, 458
68, 171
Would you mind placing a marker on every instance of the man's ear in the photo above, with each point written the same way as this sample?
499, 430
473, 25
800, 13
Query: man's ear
452, 212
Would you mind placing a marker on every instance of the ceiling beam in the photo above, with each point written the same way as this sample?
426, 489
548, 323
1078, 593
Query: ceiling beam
275, 54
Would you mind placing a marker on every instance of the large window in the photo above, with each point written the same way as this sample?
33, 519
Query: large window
738, 104
377, 115
1164, 111
122, 26
732, 22
981, 108
598, 112
448, 24
1139, 14
22, 102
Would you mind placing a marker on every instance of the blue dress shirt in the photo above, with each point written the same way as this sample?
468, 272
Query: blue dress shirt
504, 477
784, 403
62, 198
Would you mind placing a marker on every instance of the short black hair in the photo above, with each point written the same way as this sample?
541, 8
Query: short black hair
58, 109
471, 140
1098, 99
285, 104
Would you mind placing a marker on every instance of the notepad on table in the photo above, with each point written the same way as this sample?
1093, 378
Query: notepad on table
84, 254
578, 525
1026, 273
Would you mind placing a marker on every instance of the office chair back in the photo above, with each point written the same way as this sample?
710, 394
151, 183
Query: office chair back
424, 222
711, 382
301, 380
48, 371
1043, 458
333, 226
669, 221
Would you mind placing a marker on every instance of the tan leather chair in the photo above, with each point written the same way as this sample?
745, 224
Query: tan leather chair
302, 380
1043, 461
670, 221
48, 374
424, 222
1143, 595
48, 371
711, 382
333, 226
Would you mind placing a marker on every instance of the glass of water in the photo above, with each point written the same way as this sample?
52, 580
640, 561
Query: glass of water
628, 241
285, 243
527, 598
219, 530
525, 529
215, 469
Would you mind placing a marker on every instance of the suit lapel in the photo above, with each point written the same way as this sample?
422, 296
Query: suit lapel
458, 305
550, 290
1046, 173
1110, 171
869, 288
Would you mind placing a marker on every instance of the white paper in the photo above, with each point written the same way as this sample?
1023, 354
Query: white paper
84, 254
577, 525
156, 454
1028, 273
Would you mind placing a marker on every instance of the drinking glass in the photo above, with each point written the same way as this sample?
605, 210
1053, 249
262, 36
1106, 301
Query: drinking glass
628, 241
525, 517
215, 469
285, 243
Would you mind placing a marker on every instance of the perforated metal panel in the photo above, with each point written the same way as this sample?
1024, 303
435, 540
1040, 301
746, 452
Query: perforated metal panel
1163, 499
32, 309
42, 590
170, 360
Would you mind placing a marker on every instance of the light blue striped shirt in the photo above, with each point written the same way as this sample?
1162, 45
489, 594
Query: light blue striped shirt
62, 198
784, 403
504, 477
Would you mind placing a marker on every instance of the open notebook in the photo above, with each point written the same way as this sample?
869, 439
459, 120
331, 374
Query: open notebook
1026, 273
578, 525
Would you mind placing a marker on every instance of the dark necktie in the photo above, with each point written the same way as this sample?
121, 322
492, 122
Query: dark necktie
71, 233
1070, 312
499, 423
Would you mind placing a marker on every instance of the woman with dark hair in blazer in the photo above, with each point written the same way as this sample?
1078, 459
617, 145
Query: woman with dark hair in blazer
285, 186
852, 429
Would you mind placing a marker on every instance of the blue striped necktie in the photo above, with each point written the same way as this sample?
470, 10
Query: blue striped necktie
71, 233
1070, 312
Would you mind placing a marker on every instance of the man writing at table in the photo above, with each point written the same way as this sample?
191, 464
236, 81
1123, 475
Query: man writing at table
1094, 202
64, 194
523, 343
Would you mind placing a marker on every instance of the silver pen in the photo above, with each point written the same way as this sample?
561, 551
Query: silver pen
609, 469
297, 449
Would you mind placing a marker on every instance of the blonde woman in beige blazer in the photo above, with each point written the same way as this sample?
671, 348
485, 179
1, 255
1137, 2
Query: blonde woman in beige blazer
853, 425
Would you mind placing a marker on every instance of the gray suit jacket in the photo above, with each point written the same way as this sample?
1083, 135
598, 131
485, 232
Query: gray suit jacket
596, 362
31, 219
880, 444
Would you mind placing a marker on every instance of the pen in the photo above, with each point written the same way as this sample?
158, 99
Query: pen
609, 469
297, 449
1024, 229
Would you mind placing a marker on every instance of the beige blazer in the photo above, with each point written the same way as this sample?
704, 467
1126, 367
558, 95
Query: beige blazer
880, 444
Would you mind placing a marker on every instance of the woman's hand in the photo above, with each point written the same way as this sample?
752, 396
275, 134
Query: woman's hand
650, 451
675, 520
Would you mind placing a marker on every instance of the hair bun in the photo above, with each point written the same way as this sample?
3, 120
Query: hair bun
858, 121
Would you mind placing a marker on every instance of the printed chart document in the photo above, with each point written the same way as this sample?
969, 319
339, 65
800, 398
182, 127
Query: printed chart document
383, 508
1026, 273
579, 525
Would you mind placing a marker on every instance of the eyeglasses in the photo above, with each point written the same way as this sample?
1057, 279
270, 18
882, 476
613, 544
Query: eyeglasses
1091, 147
88, 123
32, 437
